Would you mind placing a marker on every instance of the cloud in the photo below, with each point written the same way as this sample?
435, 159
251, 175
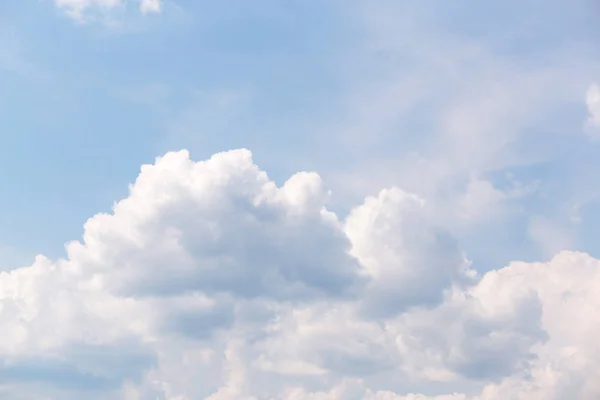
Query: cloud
450, 108
77, 9
524, 331
188, 251
150, 6
409, 261
592, 101
210, 281
80, 9
355, 390
210, 224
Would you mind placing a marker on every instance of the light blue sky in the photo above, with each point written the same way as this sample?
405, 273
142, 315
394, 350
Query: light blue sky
356, 90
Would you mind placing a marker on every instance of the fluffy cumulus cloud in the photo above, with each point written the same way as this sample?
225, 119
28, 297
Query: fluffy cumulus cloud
209, 281
80, 9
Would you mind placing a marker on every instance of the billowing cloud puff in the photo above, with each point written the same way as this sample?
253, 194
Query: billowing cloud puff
211, 282
409, 262
219, 227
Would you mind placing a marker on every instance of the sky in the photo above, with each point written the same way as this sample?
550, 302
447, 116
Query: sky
325, 200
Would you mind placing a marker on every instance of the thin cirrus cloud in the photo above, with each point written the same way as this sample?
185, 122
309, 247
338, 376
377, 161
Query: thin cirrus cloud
209, 281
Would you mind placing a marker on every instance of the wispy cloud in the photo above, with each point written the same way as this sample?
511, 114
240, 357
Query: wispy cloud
83, 10
592, 101
447, 147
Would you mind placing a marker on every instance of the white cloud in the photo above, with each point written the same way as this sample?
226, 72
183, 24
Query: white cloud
409, 261
150, 6
80, 9
528, 328
209, 281
355, 390
210, 224
592, 101
441, 105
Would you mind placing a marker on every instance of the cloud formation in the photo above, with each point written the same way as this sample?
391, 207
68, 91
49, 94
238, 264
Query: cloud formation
209, 281
592, 101
150, 6
79, 9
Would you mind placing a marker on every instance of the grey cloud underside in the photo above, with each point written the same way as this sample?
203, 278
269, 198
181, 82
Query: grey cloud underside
81, 367
231, 232
209, 281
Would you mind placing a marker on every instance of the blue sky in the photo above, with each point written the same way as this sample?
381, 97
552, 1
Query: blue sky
485, 111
